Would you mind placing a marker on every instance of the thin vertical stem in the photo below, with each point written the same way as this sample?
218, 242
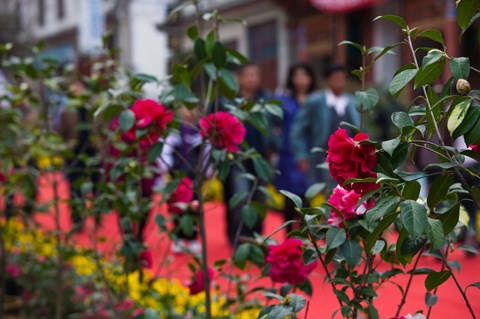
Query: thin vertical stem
404, 297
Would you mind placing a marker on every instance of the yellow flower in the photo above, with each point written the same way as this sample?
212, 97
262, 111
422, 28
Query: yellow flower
251, 313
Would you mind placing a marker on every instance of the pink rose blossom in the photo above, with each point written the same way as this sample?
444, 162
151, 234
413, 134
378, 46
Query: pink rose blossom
348, 159
14, 271
345, 202
286, 262
223, 130
183, 195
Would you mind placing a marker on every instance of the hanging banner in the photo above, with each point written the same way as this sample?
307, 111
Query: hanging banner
342, 6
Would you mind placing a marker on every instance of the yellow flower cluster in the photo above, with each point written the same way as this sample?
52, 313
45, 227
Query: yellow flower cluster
167, 296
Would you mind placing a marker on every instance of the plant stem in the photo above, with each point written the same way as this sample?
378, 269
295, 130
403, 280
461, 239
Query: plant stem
404, 297
464, 296
362, 110
322, 261
435, 291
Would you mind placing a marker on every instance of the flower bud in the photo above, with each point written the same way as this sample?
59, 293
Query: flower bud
463, 87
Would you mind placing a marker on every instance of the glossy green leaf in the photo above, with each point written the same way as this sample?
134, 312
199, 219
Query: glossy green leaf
127, 120
154, 152
219, 55
435, 233
227, 77
293, 197
314, 190
450, 218
359, 47
457, 116
262, 168
465, 12
368, 99
241, 254
414, 217
335, 237
460, 68
411, 190
475, 284
199, 49
383, 207
429, 73
432, 34
250, 216
402, 120
351, 252
297, 302
386, 222
192, 32
439, 189
400, 80
471, 120
395, 19
390, 145
473, 135
430, 300
435, 279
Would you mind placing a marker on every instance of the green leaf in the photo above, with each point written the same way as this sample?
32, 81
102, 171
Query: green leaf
435, 233
458, 114
241, 255
314, 190
237, 199
450, 218
309, 256
372, 312
465, 12
154, 152
351, 252
199, 49
262, 168
429, 73
470, 121
414, 217
402, 120
434, 35
227, 78
383, 207
127, 120
400, 80
359, 47
473, 135
433, 56
192, 32
395, 19
475, 284
335, 237
297, 302
390, 145
368, 98
236, 57
219, 55
411, 190
384, 224
293, 197
435, 279
460, 68
256, 255
250, 216
430, 299
151, 314
378, 247
439, 189
436, 110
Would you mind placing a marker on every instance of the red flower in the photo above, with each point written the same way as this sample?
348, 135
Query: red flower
475, 148
14, 271
345, 201
348, 159
146, 259
150, 115
182, 196
223, 130
287, 264
198, 284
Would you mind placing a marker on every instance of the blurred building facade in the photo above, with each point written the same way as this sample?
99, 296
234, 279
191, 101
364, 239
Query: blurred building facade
73, 29
279, 32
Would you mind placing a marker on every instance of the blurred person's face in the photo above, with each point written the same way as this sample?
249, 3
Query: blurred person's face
249, 79
337, 82
301, 80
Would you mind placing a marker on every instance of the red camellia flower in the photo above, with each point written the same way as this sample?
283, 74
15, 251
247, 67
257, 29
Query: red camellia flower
345, 201
150, 115
348, 159
14, 271
286, 262
198, 283
146, 259
223, 130
182, 196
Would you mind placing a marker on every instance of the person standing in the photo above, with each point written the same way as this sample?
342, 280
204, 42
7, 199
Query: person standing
321, 115
300, 82
249, 80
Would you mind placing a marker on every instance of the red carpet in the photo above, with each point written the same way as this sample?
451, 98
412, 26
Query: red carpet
323, 302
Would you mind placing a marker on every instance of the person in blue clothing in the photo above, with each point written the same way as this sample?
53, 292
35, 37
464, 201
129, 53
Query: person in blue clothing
321, 115
301, 81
